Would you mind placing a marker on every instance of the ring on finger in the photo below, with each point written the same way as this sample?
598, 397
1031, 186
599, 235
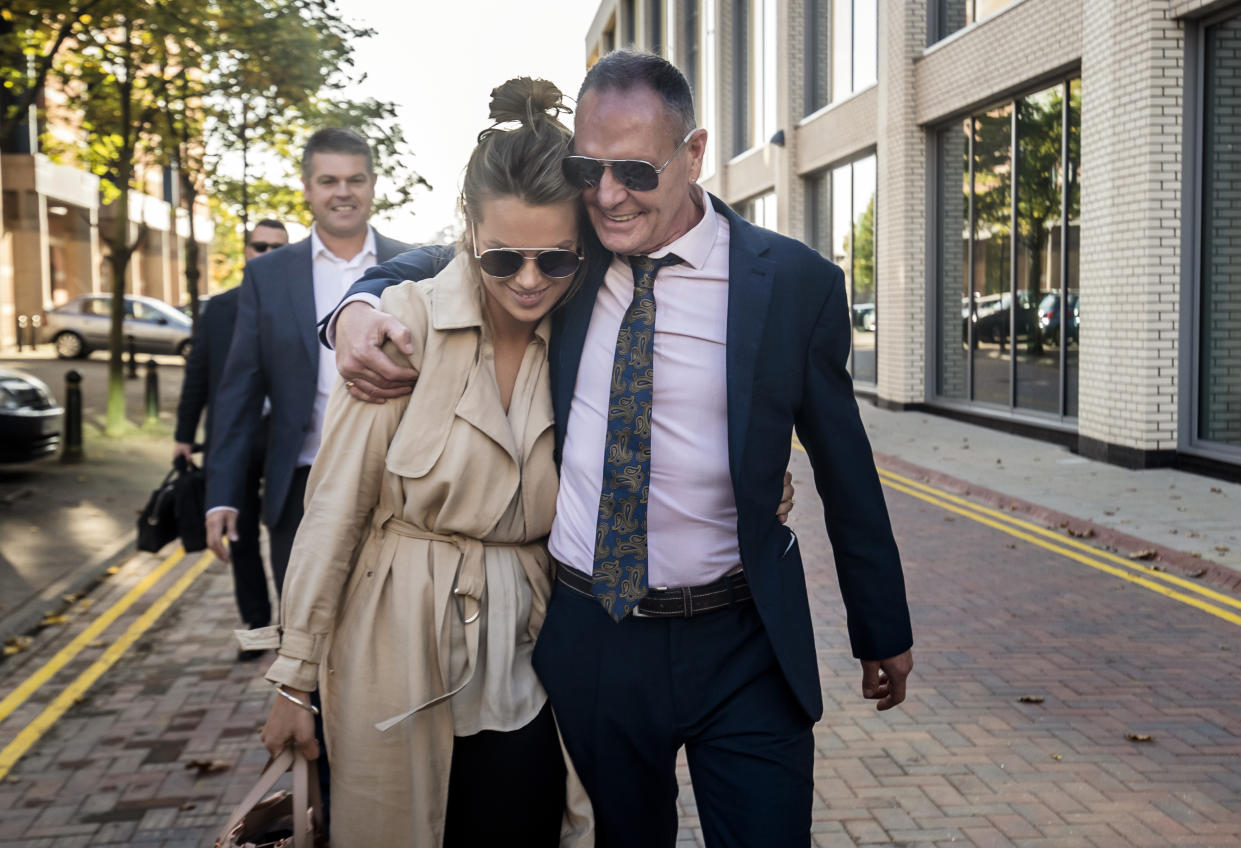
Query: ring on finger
349, 384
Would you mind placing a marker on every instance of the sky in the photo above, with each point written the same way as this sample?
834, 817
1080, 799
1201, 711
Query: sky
439, 61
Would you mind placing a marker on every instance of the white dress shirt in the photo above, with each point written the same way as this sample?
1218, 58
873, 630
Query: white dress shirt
332, 276
691, 512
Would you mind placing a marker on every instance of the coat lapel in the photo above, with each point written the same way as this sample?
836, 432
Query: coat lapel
750, 277
299, 282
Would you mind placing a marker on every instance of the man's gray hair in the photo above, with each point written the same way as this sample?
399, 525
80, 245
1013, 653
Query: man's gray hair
625, 70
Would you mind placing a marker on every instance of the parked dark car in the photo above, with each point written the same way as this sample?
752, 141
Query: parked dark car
1049, 319
991, 317
82, 325
30, 418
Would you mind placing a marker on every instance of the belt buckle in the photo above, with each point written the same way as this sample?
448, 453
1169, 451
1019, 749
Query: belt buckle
637, 612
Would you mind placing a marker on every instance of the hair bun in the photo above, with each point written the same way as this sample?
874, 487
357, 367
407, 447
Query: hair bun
528, 101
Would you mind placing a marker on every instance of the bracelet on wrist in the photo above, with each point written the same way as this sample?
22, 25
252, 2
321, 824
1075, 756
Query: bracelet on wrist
310, 708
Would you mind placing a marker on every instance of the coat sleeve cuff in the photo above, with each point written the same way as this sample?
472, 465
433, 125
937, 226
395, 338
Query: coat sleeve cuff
295, 674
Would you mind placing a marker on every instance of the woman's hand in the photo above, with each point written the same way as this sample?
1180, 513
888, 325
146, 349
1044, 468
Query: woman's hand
288, 724
786, 499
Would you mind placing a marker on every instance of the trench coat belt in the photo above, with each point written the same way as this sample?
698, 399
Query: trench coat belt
468, 586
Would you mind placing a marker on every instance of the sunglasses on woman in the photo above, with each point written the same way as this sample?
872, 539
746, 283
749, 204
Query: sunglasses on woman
585, 172
554, 262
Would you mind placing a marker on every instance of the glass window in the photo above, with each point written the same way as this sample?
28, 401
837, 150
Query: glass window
953, 15
760, 210
1039, 196
841, 225
755, 70
991, 300
818, 54
629, 24
743, 82
655, 26
1007, 253
1219, 380
706, 100
842, 49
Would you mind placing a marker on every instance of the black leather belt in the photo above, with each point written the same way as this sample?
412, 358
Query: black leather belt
684, 602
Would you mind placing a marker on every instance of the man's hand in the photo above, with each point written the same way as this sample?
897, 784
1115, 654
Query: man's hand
220, 523
369, 373
885, 679
182, 449
786, 499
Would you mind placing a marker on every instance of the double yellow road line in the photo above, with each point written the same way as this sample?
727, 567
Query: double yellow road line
1172, 586
32, 732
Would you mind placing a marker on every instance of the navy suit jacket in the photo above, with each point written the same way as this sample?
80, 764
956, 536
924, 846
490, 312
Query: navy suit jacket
205, 367
787, 363
274, 354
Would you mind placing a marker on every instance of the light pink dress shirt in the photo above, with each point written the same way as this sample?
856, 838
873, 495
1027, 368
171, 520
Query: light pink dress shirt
691, 514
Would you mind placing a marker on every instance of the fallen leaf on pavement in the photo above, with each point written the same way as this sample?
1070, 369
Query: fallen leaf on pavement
1088, 533
1057, 757
51, 618
188, 805
1201, 572
1216, 491
1223, 549
1031, 699
113, 570
208, 766
1146, 553
1139, 737
16, 644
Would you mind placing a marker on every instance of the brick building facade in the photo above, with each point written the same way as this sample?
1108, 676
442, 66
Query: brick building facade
1035, 201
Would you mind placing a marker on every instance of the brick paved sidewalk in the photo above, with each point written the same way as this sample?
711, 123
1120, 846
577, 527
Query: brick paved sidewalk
963, 762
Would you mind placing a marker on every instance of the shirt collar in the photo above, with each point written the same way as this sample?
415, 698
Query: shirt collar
319, 250
695, 245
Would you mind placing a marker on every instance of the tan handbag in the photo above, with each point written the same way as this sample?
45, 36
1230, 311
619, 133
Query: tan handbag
280, 820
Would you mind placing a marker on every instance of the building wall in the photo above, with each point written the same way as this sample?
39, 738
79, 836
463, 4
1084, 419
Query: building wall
1131, 233
1130, 56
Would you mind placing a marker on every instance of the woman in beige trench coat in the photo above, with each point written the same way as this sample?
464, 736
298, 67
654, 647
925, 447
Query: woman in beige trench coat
419, 578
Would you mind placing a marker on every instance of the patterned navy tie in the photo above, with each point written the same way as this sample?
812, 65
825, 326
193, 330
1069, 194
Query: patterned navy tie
620, 537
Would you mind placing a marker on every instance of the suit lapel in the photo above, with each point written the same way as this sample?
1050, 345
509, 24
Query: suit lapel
750, 277
569, 335
299, 285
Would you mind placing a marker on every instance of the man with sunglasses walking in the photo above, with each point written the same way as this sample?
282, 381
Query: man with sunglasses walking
213, 336
696, 346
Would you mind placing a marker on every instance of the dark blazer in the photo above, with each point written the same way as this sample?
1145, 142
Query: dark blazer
205, 367
788, 349
274, 354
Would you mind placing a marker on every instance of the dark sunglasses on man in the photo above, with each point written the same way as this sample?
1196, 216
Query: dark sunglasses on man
634, 174
264, 246
554, 262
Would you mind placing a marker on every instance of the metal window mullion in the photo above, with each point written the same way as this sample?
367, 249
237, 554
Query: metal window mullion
1064, 248
1012, 258
969, 260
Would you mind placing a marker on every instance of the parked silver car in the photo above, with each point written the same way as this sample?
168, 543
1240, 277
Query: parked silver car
82, 325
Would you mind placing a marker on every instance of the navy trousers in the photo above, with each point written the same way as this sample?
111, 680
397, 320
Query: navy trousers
629, 695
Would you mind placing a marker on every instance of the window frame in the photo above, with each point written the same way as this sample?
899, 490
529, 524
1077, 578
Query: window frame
1193, 197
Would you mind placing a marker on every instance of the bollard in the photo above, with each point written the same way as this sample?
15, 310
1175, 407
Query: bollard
36, 321
21, 331
71, 450
152, 391
133, 358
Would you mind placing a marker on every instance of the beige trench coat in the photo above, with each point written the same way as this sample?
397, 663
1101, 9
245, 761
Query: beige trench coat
408, 506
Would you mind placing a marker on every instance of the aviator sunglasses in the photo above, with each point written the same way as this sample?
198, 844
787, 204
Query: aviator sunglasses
634, 174
552, 262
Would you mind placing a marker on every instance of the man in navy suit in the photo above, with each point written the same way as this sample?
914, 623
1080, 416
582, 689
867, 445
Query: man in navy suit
212, 338
275, 352
708, 643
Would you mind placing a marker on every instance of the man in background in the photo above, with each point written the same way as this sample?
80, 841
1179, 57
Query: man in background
212, 338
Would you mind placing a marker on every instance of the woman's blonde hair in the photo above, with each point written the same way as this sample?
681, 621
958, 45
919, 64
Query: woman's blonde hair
520, 155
